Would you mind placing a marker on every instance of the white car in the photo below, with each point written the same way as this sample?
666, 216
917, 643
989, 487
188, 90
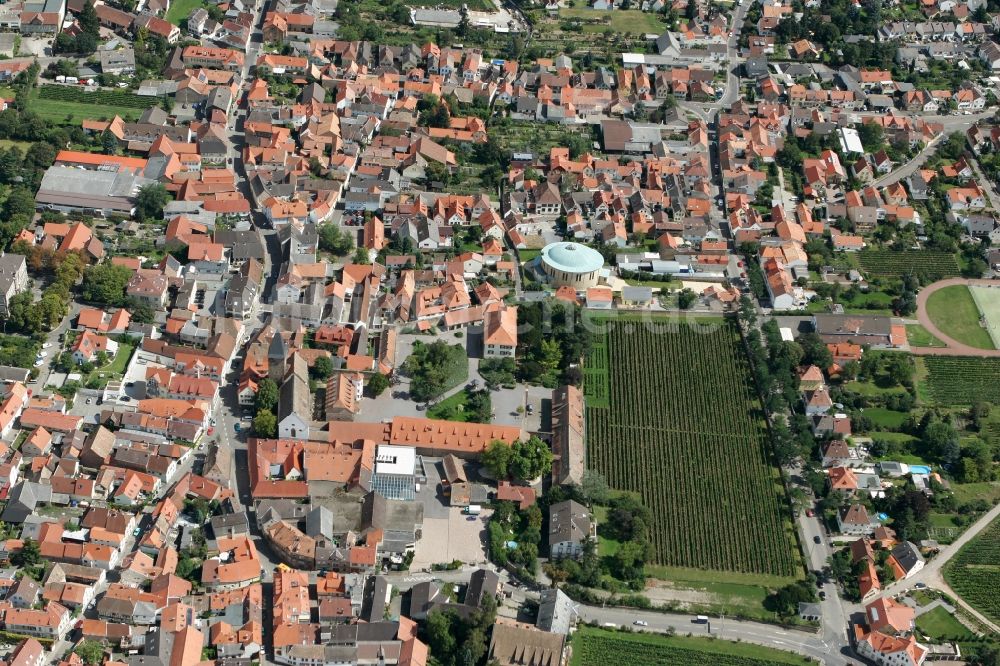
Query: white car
641, 623
47, 345
42, 354
39, 363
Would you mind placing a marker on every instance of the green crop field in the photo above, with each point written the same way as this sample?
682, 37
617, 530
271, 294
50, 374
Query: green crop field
974, 574
932, 264
69, 104
672, 414
954, 311
598, 647
962, 380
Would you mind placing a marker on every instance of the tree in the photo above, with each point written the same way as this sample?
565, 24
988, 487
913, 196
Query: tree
531, 459
686, 298
322, 368
106, 283
90, 23
267, 395
109, 142
28, 556
150, 201
377, 384
90, 651
497, 458
595, 487
265, 423
335, 241
361, 256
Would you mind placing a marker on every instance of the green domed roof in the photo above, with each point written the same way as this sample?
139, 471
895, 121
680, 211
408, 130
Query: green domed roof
572, 257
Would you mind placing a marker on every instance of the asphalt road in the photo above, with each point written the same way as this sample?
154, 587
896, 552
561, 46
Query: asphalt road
931, 573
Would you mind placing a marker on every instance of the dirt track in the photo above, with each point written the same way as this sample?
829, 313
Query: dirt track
954, 347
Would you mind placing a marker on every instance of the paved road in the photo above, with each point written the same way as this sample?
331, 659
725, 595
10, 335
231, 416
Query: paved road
931, 573
911, 166
954, 347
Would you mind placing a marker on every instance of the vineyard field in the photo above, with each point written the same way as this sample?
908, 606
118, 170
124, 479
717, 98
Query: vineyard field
933, 264
597, 647
672, 414
961, 380
98, 97
974, 573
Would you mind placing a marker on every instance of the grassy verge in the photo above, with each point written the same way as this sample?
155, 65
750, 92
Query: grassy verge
918, 336
594, 647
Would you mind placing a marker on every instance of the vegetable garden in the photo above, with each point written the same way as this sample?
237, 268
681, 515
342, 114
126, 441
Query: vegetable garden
962, 380
932, 264
597, 647
974, 573
672, 414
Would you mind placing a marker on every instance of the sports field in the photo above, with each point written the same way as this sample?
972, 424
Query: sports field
672, 414
954, 311
988, 301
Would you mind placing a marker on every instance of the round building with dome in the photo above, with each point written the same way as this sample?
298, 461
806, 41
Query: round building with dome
571, 264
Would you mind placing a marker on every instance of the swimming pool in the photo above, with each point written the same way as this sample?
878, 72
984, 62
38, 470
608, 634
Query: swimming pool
920, 469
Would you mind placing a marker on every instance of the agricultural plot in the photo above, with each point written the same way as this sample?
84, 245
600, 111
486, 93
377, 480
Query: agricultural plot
597, 647
988, 301
672, 414
962, 380
974, 574
932, 264
62, 104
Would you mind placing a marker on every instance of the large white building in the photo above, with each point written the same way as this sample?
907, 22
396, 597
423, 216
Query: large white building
572, 264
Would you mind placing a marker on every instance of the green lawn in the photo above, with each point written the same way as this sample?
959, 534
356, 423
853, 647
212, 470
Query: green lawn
939, 623
918, 336
886, 418
60, 112
596, 647
528, 255
954, 311
10, 143
181, 9
872, 389
986, 490
605, 546
622, 20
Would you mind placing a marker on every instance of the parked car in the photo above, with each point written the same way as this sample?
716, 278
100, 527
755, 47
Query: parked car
641, 623
816, 539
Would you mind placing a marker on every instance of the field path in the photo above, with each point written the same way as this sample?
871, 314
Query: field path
953, 348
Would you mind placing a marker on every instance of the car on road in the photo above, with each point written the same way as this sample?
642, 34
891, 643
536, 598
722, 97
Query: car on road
90, 400
47, 345
471, 519
920, 586
809, 513
640, 623
42, 354
38, 363
822, 595
816, 539
236, 427
136, 532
